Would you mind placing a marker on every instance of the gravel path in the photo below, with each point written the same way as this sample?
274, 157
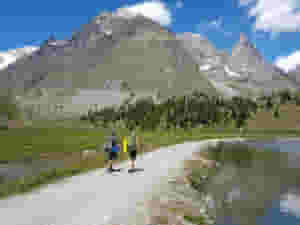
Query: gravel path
97, 197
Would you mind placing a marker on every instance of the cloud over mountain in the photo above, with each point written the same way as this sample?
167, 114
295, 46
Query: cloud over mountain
155, 10
11, 56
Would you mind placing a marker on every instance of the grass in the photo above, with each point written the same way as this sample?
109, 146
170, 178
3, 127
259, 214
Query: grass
197, 220
27, 184
33, 142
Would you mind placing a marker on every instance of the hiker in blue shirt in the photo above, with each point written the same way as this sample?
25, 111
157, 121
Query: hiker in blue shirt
112, 150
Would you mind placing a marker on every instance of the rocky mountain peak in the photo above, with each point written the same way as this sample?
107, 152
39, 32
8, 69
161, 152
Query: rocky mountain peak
102, 17
245, 48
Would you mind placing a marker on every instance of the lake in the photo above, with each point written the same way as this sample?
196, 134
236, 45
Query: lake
258, 187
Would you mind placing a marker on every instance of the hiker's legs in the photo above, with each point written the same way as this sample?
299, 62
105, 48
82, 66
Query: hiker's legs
132, 163
133, 158
111, 158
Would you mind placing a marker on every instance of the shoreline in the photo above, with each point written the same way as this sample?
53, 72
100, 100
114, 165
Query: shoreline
88, 192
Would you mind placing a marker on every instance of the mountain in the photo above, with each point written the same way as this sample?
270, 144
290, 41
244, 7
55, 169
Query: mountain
11, 56
205, 54
245, 58
243, 72
295, 74
114, 47
119, 51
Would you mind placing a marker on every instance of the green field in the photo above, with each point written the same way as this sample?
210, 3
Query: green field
18, 143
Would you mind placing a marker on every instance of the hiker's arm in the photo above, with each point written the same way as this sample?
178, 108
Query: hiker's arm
140, 143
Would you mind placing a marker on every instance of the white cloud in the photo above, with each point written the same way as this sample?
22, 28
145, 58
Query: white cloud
179, 4
288, 63
155, 10
274, 15
12, 55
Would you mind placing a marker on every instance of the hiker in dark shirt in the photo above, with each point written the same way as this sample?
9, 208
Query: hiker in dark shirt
132, 149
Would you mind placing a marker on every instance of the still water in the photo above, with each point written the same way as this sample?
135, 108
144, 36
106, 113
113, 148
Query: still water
258, 187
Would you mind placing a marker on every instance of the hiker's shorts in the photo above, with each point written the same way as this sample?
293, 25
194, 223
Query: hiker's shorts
113, 155
132, 153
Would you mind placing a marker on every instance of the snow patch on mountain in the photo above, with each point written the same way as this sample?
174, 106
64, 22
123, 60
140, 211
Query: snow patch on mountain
205, 67
225, 90
231, 73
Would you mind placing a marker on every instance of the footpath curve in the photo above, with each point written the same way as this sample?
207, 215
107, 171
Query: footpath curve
96, 197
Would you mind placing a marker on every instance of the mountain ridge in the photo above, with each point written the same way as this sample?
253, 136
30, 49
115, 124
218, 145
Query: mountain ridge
101, 47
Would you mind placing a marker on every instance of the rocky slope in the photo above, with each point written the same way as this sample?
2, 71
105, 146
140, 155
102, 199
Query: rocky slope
116, 49
294, 74
244, 72
110, 47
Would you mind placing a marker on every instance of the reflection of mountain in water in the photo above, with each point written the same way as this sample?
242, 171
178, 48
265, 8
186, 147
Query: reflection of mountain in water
254, 187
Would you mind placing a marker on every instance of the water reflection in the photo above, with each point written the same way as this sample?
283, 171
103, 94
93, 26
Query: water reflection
257, 187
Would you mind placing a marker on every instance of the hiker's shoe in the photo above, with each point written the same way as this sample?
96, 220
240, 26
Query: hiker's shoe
135, 170
131, 170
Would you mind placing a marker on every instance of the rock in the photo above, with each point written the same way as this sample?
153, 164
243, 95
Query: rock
210, 221
88, 153
202, 210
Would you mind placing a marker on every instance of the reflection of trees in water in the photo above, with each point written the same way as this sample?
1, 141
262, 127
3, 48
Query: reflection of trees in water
249, 182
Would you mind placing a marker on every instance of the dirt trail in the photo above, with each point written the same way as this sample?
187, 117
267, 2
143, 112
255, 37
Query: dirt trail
97, 197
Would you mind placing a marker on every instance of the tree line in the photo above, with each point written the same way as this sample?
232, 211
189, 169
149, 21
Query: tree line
189, 111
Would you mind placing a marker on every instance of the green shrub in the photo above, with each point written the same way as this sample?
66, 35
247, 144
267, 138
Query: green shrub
9, 108
197, 220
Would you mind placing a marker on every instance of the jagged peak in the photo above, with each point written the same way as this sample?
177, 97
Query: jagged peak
244, 43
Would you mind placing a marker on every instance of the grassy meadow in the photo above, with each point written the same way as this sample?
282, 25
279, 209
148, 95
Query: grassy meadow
52, 139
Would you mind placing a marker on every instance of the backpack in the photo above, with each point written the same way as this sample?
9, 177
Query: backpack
111, 141
115, 148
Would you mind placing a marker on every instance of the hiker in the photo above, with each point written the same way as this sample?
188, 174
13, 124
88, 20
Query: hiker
112, 149
106, 150
132, 148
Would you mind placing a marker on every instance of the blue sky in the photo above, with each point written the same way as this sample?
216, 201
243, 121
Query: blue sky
272, 25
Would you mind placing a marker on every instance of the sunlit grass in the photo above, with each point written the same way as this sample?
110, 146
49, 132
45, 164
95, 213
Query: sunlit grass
16, 144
